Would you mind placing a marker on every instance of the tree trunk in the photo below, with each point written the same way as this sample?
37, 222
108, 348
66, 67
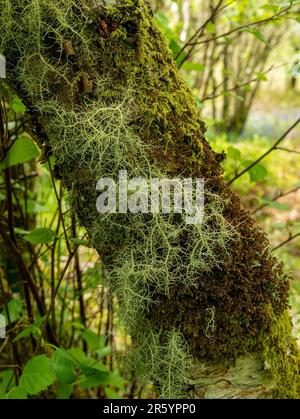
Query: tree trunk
206, 305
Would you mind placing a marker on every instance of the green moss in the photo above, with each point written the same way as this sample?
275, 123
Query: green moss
281, 357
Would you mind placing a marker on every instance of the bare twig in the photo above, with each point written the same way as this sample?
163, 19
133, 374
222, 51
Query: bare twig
237, 86
58, 199
289, 239
26, 277
280, 195
274, 146
288, 150
243, 27
199, 32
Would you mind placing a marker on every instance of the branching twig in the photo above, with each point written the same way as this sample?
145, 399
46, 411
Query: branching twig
236, 87
288, 150
199, 32
242, 27
280, 195
289, 239
26, 277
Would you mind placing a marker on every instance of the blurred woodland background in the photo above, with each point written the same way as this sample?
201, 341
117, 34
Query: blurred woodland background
242, 62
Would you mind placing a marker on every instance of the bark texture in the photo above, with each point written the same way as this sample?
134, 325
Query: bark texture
206, 305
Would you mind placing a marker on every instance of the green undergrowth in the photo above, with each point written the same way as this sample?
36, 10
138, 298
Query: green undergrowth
106, 96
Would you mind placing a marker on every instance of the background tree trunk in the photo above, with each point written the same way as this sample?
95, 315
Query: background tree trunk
206, 305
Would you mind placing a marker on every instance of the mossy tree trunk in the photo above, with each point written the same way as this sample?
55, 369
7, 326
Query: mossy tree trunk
206, 305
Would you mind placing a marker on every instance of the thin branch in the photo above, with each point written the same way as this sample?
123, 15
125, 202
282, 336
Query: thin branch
58, 199
242, 27
280, 195
17, 129
236, 87
274, 146
47, 248
289, 239
11, 366
288, 150
10, 210
78, 275
26, 277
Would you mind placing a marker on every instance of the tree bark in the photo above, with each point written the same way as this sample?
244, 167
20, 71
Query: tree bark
206, 305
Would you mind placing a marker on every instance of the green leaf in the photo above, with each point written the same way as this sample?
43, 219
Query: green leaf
17, 393
261, 76
234, 153
21, 231
175, 47
247, 88
77, 325
6, 381
257, 34
161, 18
210, 27
257, 173
163, 23
246, 163
188, 65
106, 350
64, 391
63, 366
276, 205
22, 150
94, 378
79, 356
14, 308
111, 394
37, 375
24, 334
92, 339
271, 7
17, 105
116, 380
40, 236
33, 330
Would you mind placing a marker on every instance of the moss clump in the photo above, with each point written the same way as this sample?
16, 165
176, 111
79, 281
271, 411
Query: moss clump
161, 359
106, 96
281, 357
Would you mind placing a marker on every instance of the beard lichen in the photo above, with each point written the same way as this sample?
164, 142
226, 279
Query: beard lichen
106, 96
